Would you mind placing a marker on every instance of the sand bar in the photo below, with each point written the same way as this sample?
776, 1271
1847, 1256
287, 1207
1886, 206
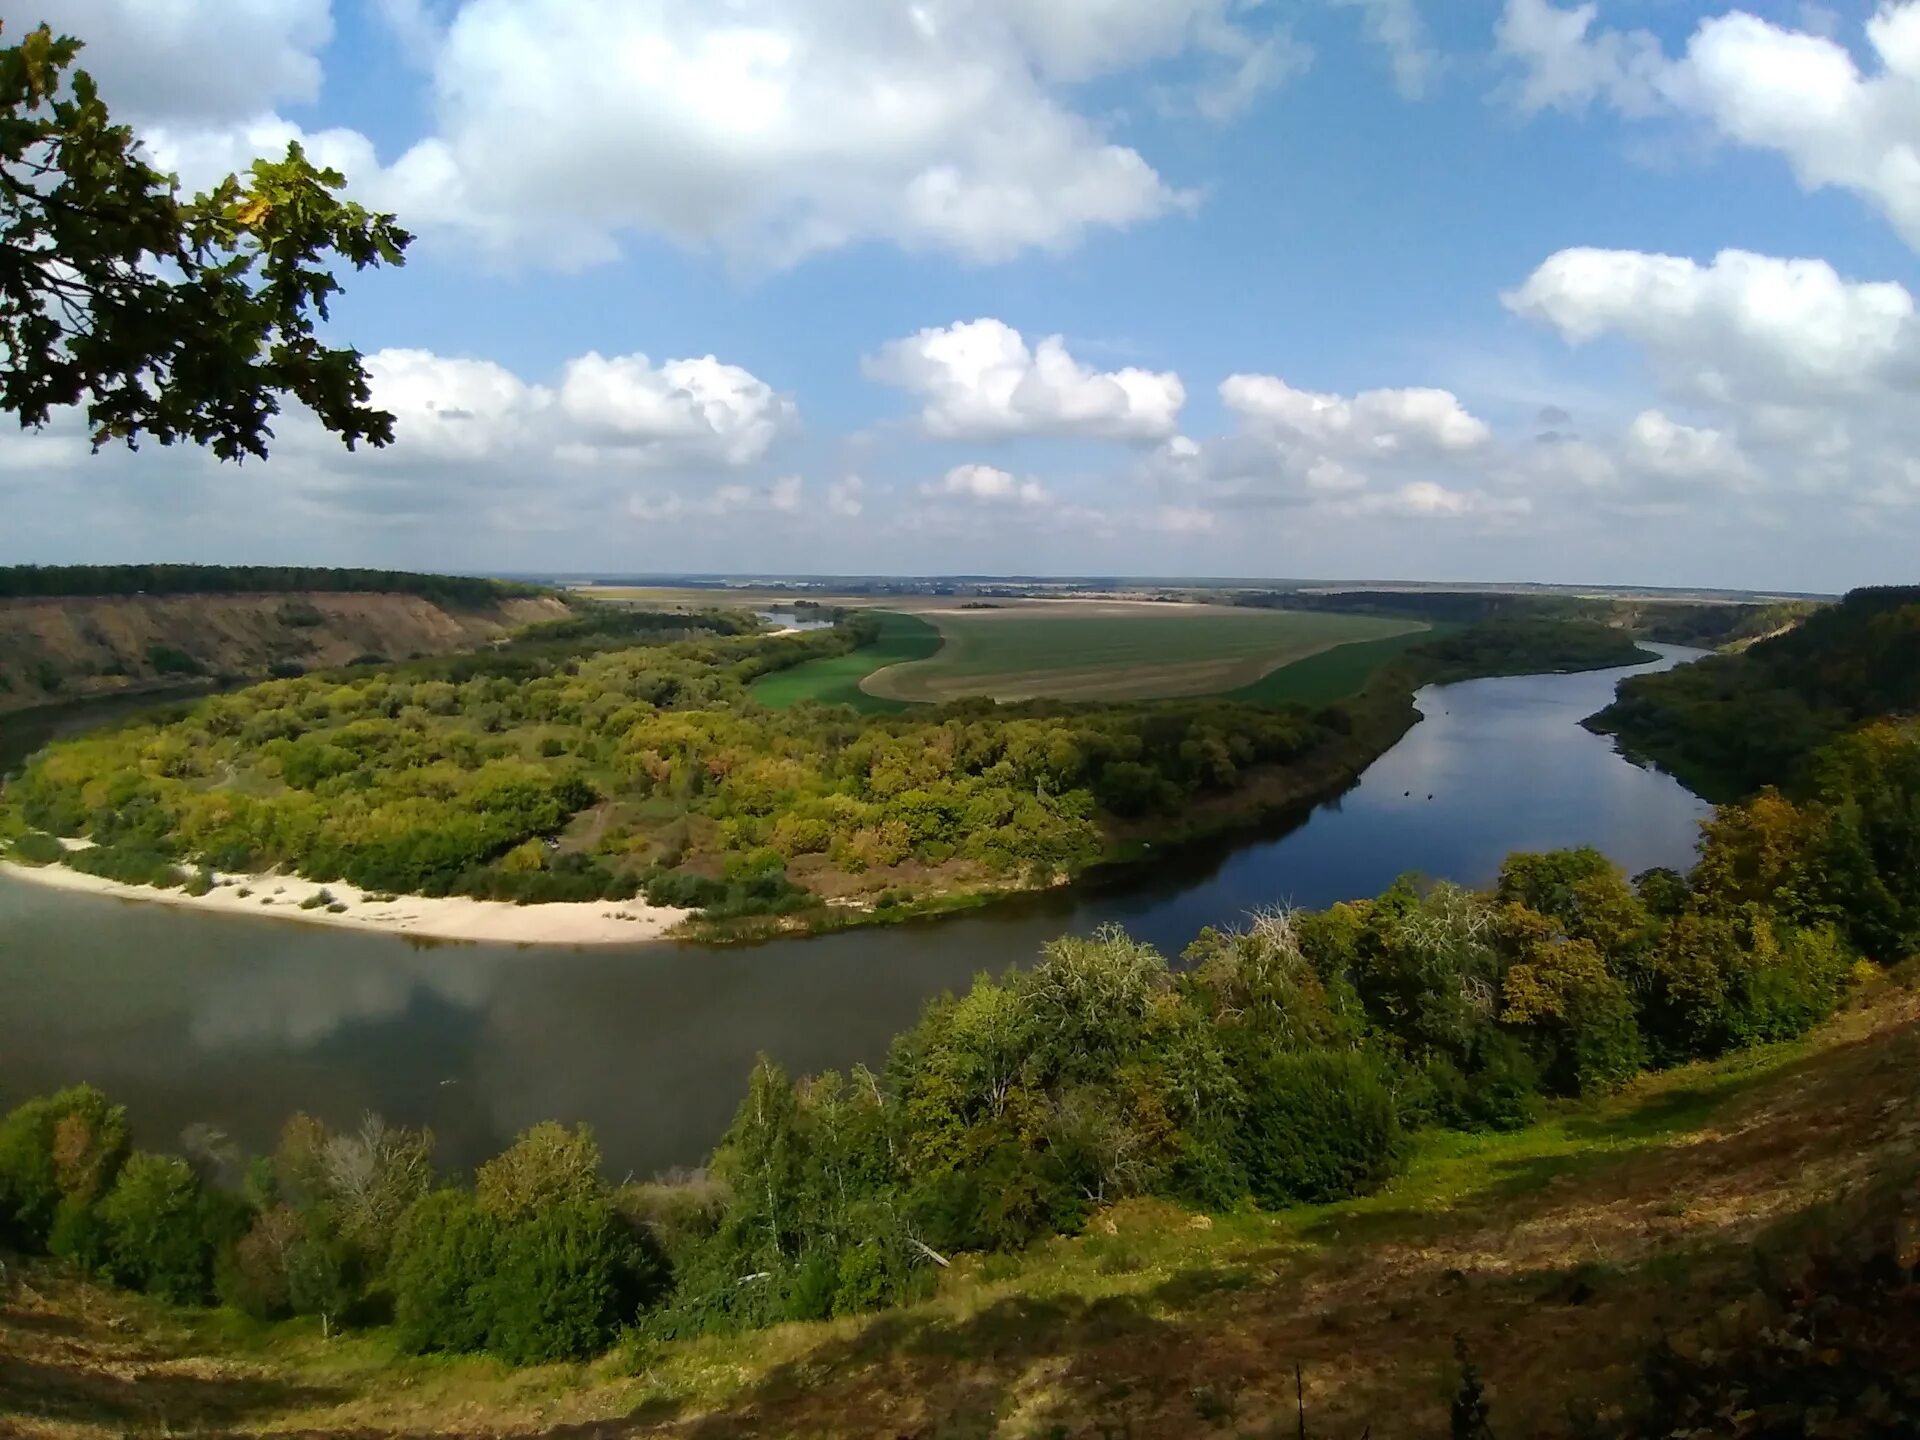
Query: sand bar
597, 922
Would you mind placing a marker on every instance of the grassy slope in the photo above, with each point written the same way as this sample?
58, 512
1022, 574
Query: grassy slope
836, 681
1557, 1253
1131, 656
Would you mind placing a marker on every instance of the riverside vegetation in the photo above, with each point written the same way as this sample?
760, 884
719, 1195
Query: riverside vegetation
1300, 1060
620, 753
1303, 1059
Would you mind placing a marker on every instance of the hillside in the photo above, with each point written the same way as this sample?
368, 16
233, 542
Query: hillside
1559, 1254
72, 647
1732, 723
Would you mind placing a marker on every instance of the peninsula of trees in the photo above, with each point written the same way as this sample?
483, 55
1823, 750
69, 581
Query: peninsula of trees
619, 753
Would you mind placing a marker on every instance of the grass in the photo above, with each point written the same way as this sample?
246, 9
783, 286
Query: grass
1099, 652
1557, 1252
1332, 674
836, 680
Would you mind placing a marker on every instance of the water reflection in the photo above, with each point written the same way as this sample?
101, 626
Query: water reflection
241, 1021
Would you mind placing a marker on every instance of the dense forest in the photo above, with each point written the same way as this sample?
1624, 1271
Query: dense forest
1733, 723
1525, 646
1284, 1063
35, 582
1706, 624
615, 754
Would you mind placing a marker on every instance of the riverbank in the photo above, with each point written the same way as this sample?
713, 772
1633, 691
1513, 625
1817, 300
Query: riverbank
452, 918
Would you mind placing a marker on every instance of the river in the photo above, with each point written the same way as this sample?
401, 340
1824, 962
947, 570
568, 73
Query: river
239, 1022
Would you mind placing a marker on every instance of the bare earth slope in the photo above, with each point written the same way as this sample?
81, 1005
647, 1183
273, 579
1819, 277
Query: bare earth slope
1557, 1254
77, 648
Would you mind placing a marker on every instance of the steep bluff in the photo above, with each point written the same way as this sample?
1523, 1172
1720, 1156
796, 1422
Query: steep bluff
80, 647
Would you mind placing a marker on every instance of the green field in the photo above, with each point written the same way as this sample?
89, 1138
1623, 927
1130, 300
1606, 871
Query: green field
1093, 650
1333, 674
836, 681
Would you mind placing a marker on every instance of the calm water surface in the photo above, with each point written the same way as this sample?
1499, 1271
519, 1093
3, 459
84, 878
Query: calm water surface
240, 1022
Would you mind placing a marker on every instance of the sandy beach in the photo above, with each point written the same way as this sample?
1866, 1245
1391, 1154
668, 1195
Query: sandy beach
600, 922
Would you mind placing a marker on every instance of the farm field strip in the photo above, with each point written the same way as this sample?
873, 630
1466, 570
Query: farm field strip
836, 680
1116, 651
1333, 674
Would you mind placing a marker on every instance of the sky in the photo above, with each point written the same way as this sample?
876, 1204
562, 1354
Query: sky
1498, 290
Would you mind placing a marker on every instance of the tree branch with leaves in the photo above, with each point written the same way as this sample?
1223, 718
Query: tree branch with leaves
168, 318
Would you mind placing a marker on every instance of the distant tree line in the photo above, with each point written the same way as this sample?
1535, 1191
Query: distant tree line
1524, 646
1733, 723
57, 581
1706, 624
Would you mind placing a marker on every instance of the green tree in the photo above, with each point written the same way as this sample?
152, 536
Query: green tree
64, 1148
442, 1259
546, 1167
561, 1283
168, 318
1318, 1126
157, 1230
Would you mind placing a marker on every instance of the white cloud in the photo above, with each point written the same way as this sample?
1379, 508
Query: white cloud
776, 129
980, 381
1403, 453
1801, 379
768, 130
667, 507
986, 485
450, 408
419, 26
1430, 500
1375, 422
786, 493
1787, 330
208, 61
1690, 454
1396, 25
844, 497
1183, 520
467, 420
1753, 83
682, 409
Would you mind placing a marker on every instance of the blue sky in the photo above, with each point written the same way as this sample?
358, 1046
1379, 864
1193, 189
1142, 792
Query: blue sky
1488, 289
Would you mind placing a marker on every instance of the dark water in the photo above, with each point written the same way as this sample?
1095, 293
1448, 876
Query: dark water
239, 1022
23, 733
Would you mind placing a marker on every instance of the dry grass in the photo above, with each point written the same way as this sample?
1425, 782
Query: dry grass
1556, 1253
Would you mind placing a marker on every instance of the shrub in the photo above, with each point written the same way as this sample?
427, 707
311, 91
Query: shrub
1318, 1126
36, 847
442, 1260
166, 660
252, 1275
129, 862
1732, 979
79, 1236
69, 1145
323, 1275
158, 1225
562, 1280
547, 1167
